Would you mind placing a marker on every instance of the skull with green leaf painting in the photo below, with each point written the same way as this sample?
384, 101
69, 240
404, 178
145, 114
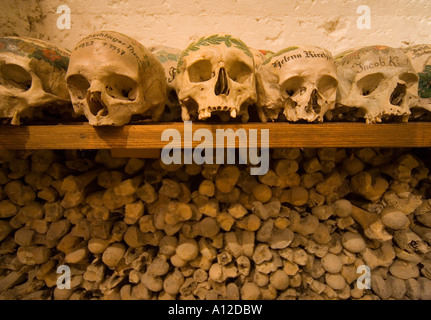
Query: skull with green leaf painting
216, 76
32, 81
420, 57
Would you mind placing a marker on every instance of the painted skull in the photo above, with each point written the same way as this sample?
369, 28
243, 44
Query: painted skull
169, 57
216, 76
32, 79
112, 77
297, 83
420, 57
376, 83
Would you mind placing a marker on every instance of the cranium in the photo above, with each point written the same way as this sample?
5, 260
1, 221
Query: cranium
32, 78
420, 57
169, 57
376, 83
112, 77
297, 82
216, 75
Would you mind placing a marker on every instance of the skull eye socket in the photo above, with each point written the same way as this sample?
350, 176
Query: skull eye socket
15, 77
200, 71
369, 83
78, 86
409, 78
121, 87
238, 71
326, 86
292, 85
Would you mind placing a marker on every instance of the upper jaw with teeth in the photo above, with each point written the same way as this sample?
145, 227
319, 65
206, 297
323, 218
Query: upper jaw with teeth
206, 113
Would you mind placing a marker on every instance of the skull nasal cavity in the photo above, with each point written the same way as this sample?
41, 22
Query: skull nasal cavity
398, 94
313, 104
96, 105
221, 86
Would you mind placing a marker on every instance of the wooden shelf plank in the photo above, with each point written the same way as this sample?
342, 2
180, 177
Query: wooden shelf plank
148, 136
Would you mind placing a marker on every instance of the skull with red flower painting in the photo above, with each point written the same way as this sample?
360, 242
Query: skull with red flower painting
51, 55
32, 79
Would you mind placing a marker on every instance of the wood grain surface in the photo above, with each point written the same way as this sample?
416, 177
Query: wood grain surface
148, 136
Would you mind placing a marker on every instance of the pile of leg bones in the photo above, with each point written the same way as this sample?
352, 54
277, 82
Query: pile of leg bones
135, 229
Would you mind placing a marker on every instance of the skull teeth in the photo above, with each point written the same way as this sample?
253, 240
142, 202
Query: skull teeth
206, 113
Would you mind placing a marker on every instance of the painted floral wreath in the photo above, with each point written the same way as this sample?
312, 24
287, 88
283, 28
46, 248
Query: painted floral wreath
32, 50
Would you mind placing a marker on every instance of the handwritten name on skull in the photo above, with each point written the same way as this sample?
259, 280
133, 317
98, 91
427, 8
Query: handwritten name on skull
304, 55
103, 36
420, 51
389, 61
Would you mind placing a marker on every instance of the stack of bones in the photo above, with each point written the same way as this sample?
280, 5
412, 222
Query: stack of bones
139, 229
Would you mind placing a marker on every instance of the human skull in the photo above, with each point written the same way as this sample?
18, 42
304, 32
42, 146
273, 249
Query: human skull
216, 75
376, 83
112, 77
420, 57
32, 79
298, 82
169, 57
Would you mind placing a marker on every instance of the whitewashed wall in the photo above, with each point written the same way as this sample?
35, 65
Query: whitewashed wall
262, 24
